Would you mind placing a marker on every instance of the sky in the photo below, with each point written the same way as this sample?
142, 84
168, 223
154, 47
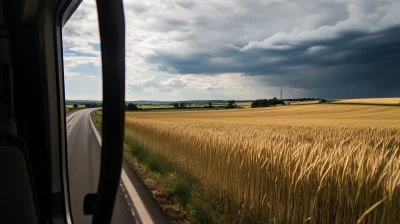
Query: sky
242, 49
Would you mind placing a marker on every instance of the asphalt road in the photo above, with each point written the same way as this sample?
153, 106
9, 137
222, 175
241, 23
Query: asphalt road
84, 167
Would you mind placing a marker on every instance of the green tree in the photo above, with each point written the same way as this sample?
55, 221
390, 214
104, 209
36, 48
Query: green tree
75, 105
231, 104
132, 106
255, 103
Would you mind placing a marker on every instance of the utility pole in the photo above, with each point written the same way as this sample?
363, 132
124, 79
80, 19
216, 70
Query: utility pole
281, 93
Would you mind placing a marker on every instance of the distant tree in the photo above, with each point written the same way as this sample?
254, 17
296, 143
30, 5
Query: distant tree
210, 104
266, 103
176, 105
132, 106
255, 103
75, 105
182, 105
231, 104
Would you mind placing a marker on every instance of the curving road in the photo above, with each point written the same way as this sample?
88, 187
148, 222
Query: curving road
84, 151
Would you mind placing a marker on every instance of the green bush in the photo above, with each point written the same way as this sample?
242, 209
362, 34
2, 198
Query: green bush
201, 215
136, 148
156, 165
182, 191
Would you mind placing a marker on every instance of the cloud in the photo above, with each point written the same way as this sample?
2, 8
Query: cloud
186, 4
153, 84
173, 83
142, 83
329, 48
319, 57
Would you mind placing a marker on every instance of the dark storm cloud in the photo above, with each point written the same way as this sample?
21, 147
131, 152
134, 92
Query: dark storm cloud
352, 64
350, 48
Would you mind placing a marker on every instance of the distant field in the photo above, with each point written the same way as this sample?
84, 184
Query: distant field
320, 163
243, 104
302, 102
69, 108
372, 101
71, 105
163, 106
154, 106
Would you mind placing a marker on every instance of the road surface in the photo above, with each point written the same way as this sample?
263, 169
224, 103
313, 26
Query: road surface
84, 152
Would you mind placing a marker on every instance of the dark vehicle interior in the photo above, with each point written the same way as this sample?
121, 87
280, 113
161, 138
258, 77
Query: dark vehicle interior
33, 161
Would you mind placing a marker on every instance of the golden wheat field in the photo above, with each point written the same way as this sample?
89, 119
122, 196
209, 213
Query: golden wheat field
372, 100
313, 164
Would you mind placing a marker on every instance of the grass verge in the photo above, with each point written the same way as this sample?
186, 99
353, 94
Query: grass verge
177, 195
96, 118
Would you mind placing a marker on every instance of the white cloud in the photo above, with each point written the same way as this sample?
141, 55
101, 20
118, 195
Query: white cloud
367, 16
173, 83
316, 49
141, 83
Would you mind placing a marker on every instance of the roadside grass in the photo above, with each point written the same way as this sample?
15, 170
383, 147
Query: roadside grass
96, 115
181, 192
177, 195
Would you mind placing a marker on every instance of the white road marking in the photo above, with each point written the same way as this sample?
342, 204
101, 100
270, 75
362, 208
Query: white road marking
137, 202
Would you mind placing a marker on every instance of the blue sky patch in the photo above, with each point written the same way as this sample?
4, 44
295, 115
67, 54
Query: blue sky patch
87, 69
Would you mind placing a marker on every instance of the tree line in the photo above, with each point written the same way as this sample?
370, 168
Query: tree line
132, 106
266, 103
93, 105
179, 105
